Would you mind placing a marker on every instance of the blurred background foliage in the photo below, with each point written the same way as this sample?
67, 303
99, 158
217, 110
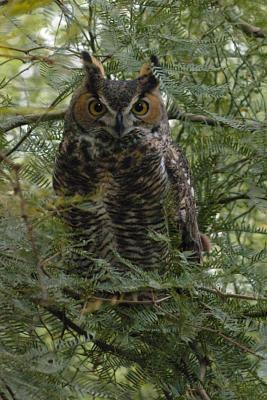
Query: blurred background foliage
207, 342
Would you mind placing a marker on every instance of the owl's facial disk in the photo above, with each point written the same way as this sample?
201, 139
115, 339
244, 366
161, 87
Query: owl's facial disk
116, 106
115, 115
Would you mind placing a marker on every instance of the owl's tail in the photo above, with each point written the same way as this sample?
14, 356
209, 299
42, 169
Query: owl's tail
205, 241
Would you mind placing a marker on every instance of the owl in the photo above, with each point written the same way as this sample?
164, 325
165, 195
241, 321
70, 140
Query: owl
125, 183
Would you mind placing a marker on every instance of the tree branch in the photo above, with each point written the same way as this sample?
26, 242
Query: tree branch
69, 324
202, 392
16, 121
232, 341
20, 120
227, 200
255, 314
217, 332
177, 114
29, 58
250, 30
232, 295
183, 116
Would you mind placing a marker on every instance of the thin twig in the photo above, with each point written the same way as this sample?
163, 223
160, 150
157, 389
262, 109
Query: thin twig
255, 314
29, 58
115, 301
66, 321
26, 51
232, 295
203, 365
227, 200
208, 329
69, 324
202, 393
16, 75
176, 114
250, 30
232, 341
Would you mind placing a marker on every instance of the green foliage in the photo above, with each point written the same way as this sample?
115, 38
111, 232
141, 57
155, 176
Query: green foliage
193, 332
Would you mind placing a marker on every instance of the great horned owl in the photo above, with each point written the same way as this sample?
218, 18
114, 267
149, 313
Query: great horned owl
117, 155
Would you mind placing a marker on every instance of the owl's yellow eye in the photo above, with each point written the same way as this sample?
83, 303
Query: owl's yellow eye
96, 108
141, 107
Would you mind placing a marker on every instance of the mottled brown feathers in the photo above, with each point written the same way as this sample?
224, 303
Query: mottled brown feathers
118, 157
92, 64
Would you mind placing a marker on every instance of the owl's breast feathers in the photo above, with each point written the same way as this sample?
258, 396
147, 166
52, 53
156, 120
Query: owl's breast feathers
124, 187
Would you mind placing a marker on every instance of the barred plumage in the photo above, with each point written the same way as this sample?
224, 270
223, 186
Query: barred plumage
117, 155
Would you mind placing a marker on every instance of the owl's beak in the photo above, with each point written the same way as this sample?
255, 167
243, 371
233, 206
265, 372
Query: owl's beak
119, 127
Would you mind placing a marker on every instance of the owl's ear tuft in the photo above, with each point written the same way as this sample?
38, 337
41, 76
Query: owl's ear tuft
147, 79
86, 56
154, 60
92, 66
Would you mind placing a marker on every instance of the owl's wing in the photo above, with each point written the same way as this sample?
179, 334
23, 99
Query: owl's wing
182, 189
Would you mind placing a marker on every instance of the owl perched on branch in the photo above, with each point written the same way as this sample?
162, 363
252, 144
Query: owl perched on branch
117, 155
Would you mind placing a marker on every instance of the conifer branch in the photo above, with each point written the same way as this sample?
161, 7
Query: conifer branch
232, 341
120, 300
69, 324
15, 182
216, 331
10, 391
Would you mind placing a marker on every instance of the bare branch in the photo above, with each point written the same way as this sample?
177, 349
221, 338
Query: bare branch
95, 302
20, 120
202, 393
250, 30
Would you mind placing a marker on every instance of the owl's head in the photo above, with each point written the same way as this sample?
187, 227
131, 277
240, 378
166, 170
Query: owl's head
116, 106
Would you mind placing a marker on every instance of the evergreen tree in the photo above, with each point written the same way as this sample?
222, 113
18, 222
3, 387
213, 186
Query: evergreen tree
202, 333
